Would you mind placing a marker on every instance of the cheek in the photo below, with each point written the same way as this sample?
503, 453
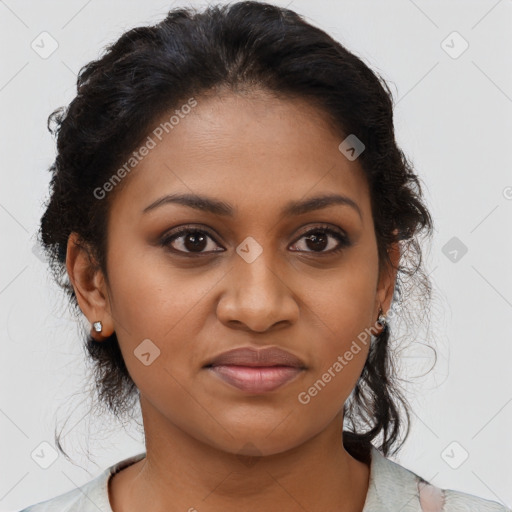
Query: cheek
150, 296
341, 306
344, 299
155, 301
340, 354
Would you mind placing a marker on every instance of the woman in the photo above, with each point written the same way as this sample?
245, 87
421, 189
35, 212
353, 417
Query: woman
235, 217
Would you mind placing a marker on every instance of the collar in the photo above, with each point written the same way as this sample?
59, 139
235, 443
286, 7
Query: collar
391, 486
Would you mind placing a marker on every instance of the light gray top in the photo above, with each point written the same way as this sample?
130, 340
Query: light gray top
392, 488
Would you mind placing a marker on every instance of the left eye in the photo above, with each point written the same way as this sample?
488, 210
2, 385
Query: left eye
318, 240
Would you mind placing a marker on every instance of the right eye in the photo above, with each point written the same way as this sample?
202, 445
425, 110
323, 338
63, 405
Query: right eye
189, 240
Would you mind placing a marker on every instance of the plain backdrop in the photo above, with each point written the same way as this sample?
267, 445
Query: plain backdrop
448, 65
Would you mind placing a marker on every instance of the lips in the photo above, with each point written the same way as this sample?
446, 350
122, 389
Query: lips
248, 356
256, 370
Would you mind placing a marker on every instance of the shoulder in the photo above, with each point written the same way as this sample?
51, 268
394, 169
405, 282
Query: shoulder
90, 497
397, 488
456, 499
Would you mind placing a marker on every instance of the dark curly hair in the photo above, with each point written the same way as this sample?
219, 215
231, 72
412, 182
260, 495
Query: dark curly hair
237, 47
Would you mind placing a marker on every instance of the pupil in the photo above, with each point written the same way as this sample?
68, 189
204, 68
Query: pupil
197, 241
322, 240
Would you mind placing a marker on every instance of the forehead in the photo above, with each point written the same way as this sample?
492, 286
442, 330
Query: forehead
253, 150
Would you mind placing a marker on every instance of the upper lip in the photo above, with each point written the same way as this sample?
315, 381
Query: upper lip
249, 356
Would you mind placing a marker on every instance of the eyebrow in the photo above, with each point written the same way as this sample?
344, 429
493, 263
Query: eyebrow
216, 207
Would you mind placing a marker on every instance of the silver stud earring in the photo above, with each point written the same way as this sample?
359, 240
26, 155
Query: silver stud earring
98, 326
382, 319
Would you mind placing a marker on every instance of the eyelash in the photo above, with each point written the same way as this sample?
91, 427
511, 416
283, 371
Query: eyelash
342, 239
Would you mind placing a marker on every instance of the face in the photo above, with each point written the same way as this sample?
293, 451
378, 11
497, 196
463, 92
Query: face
187, 283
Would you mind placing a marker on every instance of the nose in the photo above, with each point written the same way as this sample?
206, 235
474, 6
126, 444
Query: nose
257, 297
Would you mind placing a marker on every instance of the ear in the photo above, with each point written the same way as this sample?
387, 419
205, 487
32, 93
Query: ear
90, 287
387, 280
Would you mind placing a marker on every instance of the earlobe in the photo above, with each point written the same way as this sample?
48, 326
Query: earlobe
90, 288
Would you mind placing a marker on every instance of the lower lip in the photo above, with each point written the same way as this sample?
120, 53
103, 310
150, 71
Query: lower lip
255, 379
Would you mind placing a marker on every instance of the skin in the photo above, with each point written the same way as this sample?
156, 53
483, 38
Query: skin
256, 153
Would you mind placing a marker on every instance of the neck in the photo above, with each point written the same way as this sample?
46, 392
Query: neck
188, 473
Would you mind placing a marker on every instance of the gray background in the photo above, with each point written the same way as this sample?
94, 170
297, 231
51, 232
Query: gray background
453, 119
